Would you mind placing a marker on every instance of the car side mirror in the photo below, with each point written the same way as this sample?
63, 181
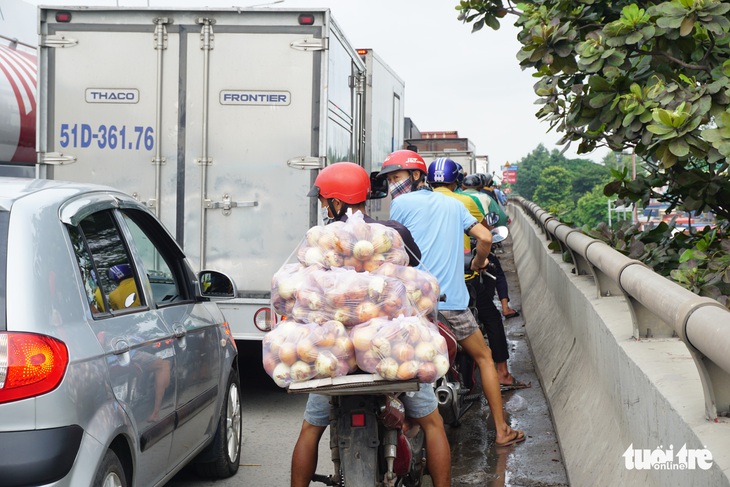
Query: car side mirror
216, 285
378, 186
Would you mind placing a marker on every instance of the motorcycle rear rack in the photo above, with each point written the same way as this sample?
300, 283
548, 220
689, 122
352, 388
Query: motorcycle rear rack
353, 384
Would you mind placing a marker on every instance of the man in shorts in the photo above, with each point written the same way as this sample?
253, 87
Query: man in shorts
438, 224
340, 187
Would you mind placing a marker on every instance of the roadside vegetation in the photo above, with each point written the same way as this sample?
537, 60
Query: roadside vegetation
651, 80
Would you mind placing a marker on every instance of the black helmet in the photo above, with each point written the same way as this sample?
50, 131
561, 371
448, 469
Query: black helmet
486, 179
473, 181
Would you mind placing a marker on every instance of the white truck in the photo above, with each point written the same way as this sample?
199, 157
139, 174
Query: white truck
217, 119
458, 149
383, 126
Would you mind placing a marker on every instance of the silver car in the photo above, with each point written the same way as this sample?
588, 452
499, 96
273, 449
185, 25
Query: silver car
116, 366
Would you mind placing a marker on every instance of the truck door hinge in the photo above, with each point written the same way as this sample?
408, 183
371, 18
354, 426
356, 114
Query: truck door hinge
58, 40
357, 82
160, 37
207, 37
55, 158
309, 44
200, 161
307, 162
227, 204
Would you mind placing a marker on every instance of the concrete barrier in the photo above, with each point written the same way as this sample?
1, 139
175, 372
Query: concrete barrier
622, 404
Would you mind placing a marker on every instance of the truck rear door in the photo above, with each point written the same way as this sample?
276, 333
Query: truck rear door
218, 120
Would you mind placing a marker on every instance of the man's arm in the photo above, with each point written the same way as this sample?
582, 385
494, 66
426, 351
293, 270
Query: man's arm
484, 246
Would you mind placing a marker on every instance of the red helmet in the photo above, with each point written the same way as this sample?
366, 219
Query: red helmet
403, 160
345, 181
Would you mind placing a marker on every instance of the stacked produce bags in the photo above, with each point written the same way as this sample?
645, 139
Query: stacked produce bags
350, 301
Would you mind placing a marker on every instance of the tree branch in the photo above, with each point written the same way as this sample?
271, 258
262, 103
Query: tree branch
696, 67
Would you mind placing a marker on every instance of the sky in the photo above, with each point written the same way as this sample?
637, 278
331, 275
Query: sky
454, 79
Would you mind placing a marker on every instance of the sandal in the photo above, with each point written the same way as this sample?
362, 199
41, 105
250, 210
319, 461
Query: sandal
518, 437
516, 384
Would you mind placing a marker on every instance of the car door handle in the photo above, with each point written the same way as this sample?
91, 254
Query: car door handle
179, 331
120, 346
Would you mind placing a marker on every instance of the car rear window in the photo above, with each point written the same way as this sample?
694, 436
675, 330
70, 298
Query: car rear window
4, 219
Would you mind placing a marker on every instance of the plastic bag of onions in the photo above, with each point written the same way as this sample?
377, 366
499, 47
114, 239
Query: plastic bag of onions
343, 295
295, 352
357, 297
352, 244
401, 349
422, 288
284, 285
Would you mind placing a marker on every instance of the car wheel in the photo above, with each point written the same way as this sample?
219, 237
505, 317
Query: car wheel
226, 446
111, 472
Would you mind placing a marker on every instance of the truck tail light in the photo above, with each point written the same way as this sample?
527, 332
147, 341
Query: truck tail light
306, 19
264, 319
63, 16
30, 365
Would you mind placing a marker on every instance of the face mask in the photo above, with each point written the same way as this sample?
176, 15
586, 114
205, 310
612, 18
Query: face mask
399, 188
324, 217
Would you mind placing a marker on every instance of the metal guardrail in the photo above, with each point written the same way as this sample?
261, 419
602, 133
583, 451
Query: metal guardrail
659, 307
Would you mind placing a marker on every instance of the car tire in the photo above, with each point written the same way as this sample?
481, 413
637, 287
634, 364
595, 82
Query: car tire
226, 446
111, 472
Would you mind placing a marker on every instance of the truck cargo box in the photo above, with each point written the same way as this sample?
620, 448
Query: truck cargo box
218, 120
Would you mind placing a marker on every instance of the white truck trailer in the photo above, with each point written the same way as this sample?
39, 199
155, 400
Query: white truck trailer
217, 119
383, 125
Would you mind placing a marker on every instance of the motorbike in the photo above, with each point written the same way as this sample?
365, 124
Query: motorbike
368, 440
371, 442
457, 391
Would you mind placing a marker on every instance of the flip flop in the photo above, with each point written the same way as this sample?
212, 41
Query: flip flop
512, 315
518, 437
516, 384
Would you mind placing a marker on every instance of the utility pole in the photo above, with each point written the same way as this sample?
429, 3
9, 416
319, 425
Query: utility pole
633, 175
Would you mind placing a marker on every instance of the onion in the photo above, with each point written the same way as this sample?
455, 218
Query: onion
427, 372
407, 370
282, 375
288, 353
387, 368
363, 250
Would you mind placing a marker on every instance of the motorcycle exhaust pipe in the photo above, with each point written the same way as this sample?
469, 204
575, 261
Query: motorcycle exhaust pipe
447, 395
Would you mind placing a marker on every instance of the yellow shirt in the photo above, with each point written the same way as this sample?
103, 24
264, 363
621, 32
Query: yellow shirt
475, 212
126, 290
470, 205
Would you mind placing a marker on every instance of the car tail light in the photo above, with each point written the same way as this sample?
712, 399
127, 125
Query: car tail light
229, 335
264, 319
30, 365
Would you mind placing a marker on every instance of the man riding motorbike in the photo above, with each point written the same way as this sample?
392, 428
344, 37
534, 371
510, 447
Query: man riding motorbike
339, 187
438, 224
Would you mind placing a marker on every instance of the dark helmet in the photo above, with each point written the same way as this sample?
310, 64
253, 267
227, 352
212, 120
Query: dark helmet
403, 160
473, 181
486, 179
119, 272
461, 175
443, 170
345, 181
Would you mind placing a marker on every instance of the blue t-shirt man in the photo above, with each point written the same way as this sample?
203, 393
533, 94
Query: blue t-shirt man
440, 240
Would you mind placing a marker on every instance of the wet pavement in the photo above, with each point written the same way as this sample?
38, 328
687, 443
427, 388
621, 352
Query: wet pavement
536, 462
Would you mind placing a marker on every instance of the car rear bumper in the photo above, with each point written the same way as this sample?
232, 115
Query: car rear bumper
38, 457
